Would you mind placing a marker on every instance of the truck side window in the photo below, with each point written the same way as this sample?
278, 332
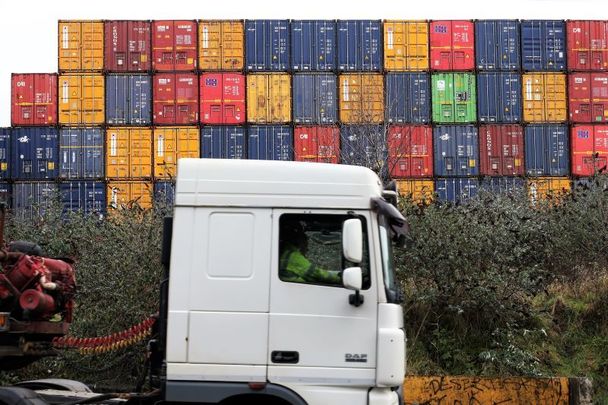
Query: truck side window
310, 249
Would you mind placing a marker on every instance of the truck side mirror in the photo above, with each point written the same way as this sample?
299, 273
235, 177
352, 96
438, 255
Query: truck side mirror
352, 278
352, 240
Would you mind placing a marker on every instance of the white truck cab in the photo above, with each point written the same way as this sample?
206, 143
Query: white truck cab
248, 322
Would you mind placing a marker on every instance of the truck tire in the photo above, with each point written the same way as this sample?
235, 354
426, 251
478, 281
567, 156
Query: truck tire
20, 396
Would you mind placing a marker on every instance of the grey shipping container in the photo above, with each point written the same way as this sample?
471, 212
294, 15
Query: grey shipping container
497, 44
87, 197
6, 193
547, 150
128, 99
499, 97
315, 98
270, 142
81, 153
5, 153
267, 45
33, 199
164, 193
503, 185
359, 45
223, 142
543, 45
408, 98
456, 149
34, 152
313, 45
364, 145
456, 189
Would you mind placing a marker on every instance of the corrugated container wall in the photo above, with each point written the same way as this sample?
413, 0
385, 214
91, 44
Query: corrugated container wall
128, 153
164, 193
175, 98
223, 142
129, 194
174, 45
33, 99
270, 142
87, 197
547, 150
32, 199
418, 191
34, 153
127, 46
128, 99
588, 97
6, 193
221, 45
408, 98
503, 185
359, 45
452, 45
587, 45
222, 98
313, 45
361, 98
501, 150
363, 145
268, 98
456, 189
544, 97
589, 149
267, 45
5, 153
499, 97
544, 188
81, 153
315, 98
80, 46
406, 45
454, 97
172, 143
543, 45
81, 99
456, 150
497, 45
410, 151
317, 144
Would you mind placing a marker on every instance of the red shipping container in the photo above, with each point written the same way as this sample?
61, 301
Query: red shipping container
587, 45
501, 150
127, 46
589, 148
175, 98
452, 45
588, 97
174, 45
222, 98
317, 144
410, 151
34, 99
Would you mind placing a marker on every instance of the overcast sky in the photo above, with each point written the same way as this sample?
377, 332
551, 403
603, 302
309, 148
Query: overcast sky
28, 32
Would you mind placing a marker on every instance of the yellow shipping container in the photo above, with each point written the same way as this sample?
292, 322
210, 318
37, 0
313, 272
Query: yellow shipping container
268, 98
81, 99
129, 194
221, 45
543, 187
419, 191
361, 98
406, 45
172, 143
80, 46
129, 153
544, 96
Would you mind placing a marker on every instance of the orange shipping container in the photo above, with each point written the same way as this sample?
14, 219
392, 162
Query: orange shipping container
542, 188
268, 98
544, 97
361, 98
172, 143
406, 45
80, 46
129, 194
220, 45
419, 191
81, 99
129, 153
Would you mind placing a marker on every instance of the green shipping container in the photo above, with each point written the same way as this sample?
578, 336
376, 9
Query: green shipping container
454, 98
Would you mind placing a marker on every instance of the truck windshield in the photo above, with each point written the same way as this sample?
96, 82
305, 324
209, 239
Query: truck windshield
388, 266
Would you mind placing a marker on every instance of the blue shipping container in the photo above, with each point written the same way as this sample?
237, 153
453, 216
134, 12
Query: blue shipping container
267, 45
503, 185
499, 97
359, 45
33, 199
6, 193
81, 153
364, 145
543, 45
88, 197
270, 142
313, 45
128, 99
314, 98
456, 189
497, 45
456, 149
34, 153
547, 150
223, 142
408, 97
164, 193
5, 153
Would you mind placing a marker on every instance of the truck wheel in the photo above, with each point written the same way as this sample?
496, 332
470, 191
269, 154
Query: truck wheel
19, 396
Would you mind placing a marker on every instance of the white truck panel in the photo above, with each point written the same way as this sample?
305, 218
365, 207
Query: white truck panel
216, 372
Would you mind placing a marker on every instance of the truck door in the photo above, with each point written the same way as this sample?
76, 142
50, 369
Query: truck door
316, 336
